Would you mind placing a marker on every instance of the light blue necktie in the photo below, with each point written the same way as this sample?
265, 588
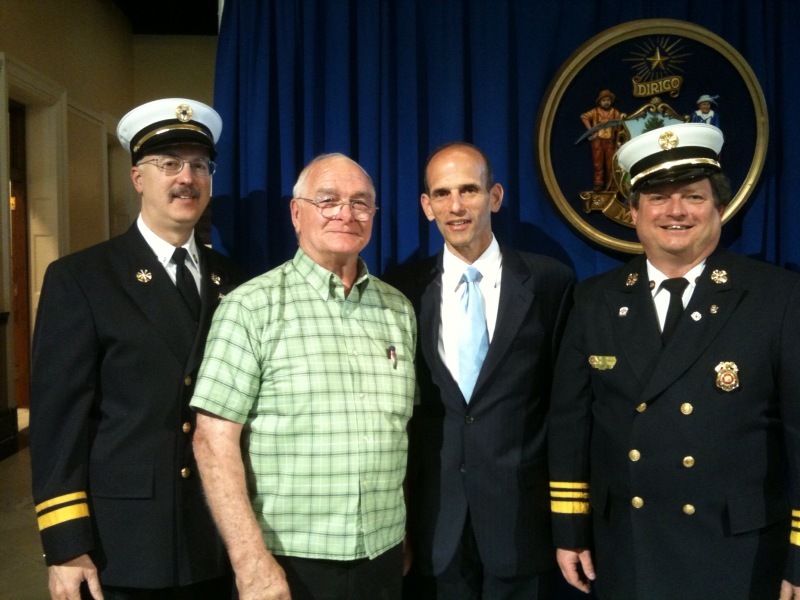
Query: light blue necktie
473, 339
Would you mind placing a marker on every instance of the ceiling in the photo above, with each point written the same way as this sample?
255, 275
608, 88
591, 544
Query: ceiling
164, 17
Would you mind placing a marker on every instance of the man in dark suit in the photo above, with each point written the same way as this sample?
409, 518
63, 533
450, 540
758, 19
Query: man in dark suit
478, 518
672, 430
116, 348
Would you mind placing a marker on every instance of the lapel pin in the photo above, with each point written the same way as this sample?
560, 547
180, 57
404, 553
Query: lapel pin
144, 276
719, 276
696, 316
623, 311
602, 363
714, 309
632, 279
727, 376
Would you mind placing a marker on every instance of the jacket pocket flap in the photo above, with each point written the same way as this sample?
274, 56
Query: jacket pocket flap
753, 511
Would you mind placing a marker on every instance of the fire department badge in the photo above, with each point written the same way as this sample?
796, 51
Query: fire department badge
727, 376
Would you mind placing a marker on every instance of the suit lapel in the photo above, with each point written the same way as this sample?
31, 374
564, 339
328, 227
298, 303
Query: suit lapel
516, 297
634, 319
148, 284
713, 303
430, 320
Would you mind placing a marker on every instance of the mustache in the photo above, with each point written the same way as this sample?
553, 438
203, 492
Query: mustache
183, 190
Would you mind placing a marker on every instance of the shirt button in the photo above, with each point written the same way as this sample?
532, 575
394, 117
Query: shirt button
688, 509
186, 427
469, 419
687, 408
187, 381
688, 461
463, 468
642, 407
634, 455
637, 502
186, 472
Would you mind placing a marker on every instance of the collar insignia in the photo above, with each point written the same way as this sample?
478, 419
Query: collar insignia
144, 276
719, 276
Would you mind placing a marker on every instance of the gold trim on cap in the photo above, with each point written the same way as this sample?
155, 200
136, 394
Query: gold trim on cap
671, 164
165, 130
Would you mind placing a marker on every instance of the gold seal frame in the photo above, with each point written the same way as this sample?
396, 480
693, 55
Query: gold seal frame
592, 49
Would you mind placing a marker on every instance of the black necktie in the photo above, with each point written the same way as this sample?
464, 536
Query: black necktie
675, 287
185, 282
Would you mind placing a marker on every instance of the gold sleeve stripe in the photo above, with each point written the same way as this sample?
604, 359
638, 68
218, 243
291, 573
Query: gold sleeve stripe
570, 485
60, 500
794, 538
796, 513
62, 515
575, 495
796, 524
570, 508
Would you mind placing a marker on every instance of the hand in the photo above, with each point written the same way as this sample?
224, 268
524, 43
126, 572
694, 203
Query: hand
65, 579
789, 591
578, 577
263, 581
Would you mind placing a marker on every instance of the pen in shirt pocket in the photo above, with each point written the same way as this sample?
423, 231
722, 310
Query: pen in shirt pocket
391, 354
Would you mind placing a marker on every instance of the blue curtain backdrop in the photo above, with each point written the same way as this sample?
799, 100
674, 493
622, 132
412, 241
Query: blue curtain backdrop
385, 81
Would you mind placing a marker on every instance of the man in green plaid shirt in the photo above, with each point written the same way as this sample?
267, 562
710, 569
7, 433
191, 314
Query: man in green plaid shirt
303, 399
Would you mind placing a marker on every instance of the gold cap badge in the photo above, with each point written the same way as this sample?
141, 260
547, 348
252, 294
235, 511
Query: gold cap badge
668, 140
184, 113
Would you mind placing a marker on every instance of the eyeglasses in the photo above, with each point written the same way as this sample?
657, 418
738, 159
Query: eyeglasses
329, 206
172, 165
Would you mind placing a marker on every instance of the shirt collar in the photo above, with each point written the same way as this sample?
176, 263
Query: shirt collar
163, 249
657, 277
487, 263
325, 281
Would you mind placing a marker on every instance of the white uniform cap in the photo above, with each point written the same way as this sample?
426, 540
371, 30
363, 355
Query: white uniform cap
169, 122
673, 153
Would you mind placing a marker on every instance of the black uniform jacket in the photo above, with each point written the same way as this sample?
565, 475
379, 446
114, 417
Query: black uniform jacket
115, 354
681, 457
487, 457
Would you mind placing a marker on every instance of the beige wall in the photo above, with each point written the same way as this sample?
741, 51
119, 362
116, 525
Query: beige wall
167, 66
86, 46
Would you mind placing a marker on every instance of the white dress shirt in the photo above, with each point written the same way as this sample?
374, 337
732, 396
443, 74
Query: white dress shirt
661, 296
164, 251
491, 268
